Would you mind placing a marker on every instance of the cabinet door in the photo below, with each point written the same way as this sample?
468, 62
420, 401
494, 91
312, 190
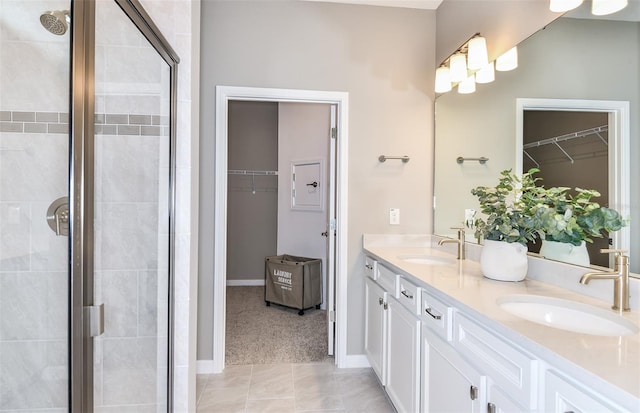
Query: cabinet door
562, 396
375, 327
449, 384
403, 355
499, 402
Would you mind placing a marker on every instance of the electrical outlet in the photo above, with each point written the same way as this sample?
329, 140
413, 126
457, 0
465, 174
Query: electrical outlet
394, 216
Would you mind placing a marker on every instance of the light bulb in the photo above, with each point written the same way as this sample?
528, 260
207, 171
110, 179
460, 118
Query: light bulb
458, 67
443, 80
467, 86
604, 7
560, 6
486, 74
508, 61
477, 53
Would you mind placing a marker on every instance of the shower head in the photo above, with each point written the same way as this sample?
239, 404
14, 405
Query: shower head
56, 21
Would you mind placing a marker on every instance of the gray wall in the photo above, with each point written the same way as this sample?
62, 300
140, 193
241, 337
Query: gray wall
384, 58
251, 217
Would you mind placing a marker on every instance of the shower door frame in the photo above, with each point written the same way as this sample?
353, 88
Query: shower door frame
81, 191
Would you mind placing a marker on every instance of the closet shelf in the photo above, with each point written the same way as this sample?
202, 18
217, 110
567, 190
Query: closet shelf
248, 172
563, 138
570, 136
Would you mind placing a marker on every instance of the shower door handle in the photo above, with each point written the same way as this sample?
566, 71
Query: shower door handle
58, 216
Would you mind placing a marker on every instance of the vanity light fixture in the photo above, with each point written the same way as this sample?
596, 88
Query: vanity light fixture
487, 74
598, 7
604, 7
467, 86
443, 79
462, 64
458, 67
478, 57
560, 6
508, 60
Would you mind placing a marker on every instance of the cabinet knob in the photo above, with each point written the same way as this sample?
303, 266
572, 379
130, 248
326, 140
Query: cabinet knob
386, 306
380, 300
473, 392
491, 408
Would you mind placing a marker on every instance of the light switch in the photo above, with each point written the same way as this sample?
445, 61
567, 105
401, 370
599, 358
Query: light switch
394, 216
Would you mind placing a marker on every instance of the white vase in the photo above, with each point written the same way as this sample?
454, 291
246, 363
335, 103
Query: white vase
504, 261
565, 252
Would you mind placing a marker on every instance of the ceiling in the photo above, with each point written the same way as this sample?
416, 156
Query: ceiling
409, 4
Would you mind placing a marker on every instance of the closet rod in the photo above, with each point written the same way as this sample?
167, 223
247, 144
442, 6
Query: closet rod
248, 172
569, 136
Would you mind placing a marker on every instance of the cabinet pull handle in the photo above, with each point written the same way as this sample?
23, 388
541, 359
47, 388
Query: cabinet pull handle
473, 392
386, 306
380, 300
409, 296
428, 311
491, 408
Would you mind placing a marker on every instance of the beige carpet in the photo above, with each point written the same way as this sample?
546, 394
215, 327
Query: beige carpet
257, 334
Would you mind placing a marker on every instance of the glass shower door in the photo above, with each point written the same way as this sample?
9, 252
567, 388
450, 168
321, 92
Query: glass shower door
34, 172
131, 230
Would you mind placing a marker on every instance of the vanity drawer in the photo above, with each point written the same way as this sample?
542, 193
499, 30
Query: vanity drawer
386, 278
511, 369
437, 316
370, 267
409, 295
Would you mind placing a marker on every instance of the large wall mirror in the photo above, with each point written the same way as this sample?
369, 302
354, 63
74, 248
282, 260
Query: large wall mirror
575, 64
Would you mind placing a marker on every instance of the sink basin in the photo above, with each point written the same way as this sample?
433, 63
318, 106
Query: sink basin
426, 259
567, 315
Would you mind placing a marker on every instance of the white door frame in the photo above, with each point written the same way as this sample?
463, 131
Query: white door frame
619, 148
223, 95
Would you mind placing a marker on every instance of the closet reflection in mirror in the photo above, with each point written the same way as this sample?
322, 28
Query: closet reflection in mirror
571, 59
571, 150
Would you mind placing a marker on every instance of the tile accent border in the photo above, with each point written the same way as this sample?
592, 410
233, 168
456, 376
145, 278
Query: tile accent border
105, 123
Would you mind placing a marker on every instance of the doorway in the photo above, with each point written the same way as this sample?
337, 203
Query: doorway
336, 244
615, 115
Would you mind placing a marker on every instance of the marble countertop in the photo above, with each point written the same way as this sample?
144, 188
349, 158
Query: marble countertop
614, 360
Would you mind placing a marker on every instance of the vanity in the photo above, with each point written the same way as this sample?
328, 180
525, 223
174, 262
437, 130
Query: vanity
441, 337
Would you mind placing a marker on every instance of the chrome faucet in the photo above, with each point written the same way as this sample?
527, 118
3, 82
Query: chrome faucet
459, 241
620, 277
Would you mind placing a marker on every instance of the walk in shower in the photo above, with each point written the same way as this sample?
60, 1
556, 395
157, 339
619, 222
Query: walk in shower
87, 115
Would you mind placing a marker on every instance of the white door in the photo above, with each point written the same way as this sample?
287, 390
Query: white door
304, 142
331, 231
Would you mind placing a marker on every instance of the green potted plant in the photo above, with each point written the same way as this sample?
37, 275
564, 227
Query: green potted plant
507, 225
567, 221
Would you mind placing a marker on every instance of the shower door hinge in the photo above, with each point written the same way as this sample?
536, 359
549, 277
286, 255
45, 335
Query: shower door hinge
332, 316
93, 320
334, 133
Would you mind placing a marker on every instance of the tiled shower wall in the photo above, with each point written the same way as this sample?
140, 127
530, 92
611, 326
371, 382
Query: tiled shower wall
131, 250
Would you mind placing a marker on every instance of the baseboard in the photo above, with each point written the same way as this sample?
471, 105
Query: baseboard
245, 283
205, 367
355, 361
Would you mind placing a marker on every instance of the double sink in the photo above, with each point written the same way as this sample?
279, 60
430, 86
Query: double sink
549, 311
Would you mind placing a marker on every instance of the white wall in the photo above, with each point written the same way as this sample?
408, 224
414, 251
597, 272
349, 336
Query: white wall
570, 59
303, 135
384, 58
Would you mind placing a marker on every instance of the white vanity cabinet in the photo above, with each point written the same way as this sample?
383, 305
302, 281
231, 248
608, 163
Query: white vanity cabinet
403, 349
562, 395
375, 327
512, 374
449, 383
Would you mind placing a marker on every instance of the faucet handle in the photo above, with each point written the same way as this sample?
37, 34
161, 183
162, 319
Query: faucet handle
460, 232
613, 251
